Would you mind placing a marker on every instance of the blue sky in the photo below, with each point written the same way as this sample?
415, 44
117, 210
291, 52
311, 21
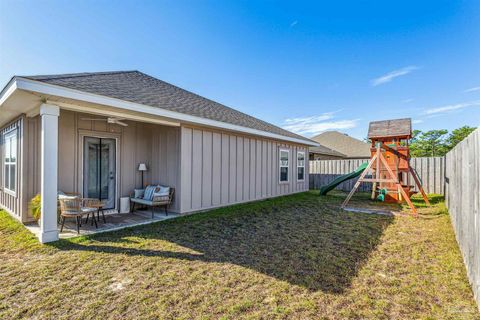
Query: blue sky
306, 66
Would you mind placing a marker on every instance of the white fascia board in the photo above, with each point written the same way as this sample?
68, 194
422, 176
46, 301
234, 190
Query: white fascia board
49, 89
8, 90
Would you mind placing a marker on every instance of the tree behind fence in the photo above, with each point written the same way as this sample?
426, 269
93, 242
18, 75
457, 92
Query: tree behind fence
431, 171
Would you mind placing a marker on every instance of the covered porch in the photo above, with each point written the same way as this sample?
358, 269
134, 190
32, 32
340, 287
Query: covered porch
56, 137
101, 159
113, 221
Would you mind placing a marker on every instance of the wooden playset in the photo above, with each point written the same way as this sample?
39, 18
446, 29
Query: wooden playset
390, 163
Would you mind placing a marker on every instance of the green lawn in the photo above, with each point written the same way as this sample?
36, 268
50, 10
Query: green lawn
298, 256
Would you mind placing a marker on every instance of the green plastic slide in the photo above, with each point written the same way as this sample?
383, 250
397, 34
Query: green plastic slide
326, 188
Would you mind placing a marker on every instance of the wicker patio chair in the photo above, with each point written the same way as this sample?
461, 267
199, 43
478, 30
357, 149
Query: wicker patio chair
71, 207
61, 195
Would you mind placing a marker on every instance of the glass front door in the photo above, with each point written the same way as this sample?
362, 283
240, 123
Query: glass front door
99, 169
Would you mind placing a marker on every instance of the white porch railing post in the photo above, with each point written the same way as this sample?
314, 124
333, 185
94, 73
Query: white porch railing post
49, 172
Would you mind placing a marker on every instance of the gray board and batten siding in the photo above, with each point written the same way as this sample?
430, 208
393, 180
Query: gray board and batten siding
155, 145
27, 178
208, 168
13, 202
220, 168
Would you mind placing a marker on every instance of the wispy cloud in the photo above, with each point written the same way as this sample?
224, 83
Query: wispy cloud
316, 124
293, 24
451, 107
392, 75
417, 121
472, 89
407, 100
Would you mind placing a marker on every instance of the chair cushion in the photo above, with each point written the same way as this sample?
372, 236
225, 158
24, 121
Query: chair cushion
64, 196
139, 193
142, 201
160, 198
72, 213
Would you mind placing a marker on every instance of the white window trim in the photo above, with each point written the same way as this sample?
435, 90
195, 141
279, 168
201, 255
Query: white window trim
301, 152
280, 166
13, 132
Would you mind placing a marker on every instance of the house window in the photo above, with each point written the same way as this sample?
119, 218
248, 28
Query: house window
10, 161
284, 155
300, 165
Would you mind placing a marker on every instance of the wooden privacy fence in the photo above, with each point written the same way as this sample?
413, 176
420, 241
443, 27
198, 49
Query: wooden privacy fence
323, 172
463, 202
431, 171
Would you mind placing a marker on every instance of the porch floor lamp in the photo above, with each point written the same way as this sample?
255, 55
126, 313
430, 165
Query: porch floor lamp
142, 167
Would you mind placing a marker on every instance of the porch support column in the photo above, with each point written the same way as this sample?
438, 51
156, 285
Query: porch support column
49, 172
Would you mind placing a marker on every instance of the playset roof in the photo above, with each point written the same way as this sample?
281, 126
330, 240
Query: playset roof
390, 128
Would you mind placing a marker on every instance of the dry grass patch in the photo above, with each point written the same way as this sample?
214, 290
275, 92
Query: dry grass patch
298, 256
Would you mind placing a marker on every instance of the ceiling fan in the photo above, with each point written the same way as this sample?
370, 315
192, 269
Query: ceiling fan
118, 121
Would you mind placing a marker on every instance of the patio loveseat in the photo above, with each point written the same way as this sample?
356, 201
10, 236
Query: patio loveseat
152, 196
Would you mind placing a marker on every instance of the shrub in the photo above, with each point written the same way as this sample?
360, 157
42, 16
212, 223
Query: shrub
35, 207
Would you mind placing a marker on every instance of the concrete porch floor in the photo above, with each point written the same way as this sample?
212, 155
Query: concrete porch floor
114, 221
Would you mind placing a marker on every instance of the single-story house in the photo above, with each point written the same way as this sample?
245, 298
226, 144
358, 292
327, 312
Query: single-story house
343, 146
88, 133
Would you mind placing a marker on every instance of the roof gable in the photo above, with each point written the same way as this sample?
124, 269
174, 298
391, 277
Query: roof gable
340, 142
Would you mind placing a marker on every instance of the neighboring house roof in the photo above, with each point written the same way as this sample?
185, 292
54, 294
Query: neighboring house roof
340, 142
390, 128
326, 151
140, 88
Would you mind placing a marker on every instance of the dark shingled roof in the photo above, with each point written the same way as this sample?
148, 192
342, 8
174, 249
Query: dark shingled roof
137, 87
326, 151
390, 128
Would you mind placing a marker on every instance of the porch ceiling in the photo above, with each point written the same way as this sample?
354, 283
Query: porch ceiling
107, 111
18, 103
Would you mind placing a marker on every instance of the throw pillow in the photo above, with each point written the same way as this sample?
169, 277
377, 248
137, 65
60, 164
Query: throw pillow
139, 193
148, 195
164, 191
